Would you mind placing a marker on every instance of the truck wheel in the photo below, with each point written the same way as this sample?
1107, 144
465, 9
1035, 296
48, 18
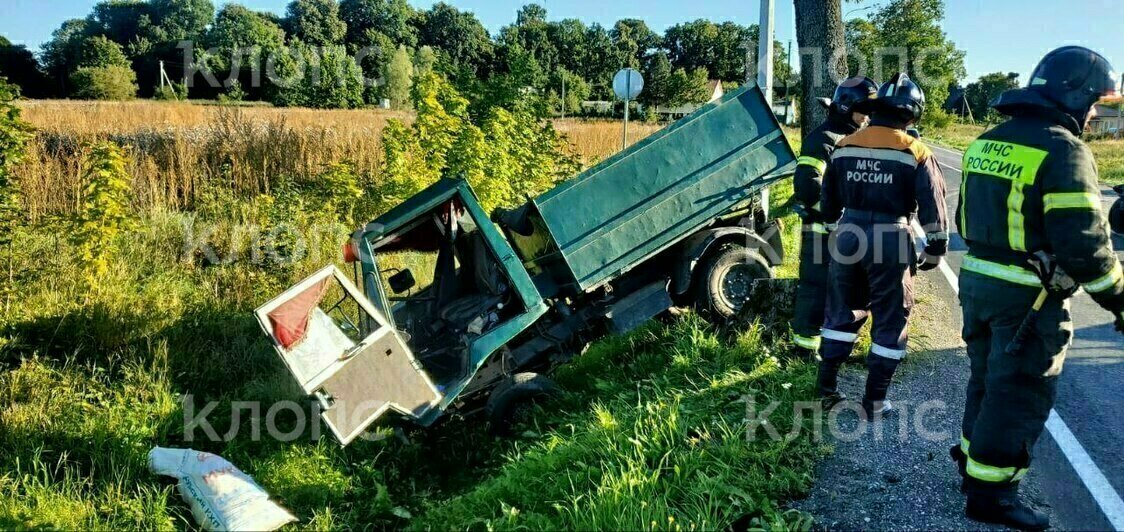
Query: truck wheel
512, 400
724, 279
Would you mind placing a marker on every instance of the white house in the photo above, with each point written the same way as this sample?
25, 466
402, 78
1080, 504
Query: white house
1108, 121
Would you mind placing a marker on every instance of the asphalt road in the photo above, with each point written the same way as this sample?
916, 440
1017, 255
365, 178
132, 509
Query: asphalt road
1090, 404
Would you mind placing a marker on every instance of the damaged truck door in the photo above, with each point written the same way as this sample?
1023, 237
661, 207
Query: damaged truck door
316, 327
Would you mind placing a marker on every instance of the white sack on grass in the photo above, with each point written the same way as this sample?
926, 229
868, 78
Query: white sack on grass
221, 496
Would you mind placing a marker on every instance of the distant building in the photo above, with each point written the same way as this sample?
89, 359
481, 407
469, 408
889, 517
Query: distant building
599, 107
1108, 120
716, 91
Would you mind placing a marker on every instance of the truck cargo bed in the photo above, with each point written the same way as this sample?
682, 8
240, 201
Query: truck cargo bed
651, 195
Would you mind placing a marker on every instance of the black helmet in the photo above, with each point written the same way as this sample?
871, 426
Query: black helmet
852, 92
1074, 78
900, 96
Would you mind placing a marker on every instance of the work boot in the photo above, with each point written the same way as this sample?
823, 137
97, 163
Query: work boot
1000, 504
876, 410
827, 384
961, 460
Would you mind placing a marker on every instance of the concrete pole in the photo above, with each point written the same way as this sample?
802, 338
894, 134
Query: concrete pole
765, 51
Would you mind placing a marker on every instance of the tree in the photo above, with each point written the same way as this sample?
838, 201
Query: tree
20, 67
933, 61
243, 40
819, 27
577, 90
424, 60
530, 14
99, 51
176, 20
104, 73
463, 44
390, 18
14, 136
325, 77
687, 87
980, 93
63, 52
657, 81
316, 22
567, 37
119, 20
399, 77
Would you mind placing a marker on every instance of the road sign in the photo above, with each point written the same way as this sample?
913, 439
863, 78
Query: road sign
627, 84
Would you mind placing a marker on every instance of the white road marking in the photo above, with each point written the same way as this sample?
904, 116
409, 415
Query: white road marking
1110, 503
1091, 475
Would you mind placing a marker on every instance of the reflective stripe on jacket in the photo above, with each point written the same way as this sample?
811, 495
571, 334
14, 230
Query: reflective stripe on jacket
1031, 184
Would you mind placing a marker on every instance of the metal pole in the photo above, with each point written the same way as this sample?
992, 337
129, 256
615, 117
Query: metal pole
627, 91
765, 51
563, 95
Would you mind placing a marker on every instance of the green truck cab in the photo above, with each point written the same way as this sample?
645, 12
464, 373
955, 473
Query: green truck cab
454, 309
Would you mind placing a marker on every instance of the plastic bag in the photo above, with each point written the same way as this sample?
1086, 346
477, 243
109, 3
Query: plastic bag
220, 495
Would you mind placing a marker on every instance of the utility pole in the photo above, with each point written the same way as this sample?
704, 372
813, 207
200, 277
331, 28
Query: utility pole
563, 95
787, 89
162, 74
765, 51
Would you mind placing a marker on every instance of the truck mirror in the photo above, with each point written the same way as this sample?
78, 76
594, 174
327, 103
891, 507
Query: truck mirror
402, 281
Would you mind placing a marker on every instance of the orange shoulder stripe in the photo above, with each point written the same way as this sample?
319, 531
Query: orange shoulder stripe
887, 138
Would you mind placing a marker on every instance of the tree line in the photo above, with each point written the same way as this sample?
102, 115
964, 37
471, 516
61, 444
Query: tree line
115, 52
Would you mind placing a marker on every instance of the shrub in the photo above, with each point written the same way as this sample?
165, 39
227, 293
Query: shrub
105, 83
507, 155
937, 118
14, 135
104, 211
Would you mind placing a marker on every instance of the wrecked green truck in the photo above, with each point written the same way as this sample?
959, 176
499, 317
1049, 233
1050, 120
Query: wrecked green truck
453, 309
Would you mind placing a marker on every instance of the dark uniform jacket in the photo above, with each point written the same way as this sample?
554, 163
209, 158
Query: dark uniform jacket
1030, 184
815, 152
884, 170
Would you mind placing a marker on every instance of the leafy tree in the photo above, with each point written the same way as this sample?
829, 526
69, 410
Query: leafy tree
320, 77
249, 36
600, 61
119, 20
688, 87
175, 20
316, 22
99, 51
399, 76
979, 94
577, 91
104, 73
424, 60
20, 67
657, 80
934, 62
568, 38
528, 38
63, 52
390, 18
462, 42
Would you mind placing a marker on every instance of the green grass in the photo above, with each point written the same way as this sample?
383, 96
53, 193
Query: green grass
649, 434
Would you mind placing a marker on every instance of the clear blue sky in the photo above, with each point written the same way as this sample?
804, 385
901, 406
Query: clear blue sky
999, 35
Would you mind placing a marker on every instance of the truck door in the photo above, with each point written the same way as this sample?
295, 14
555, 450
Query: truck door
341, 350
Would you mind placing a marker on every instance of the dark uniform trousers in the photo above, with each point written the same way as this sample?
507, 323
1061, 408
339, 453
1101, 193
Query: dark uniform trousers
811, 292
871, 277
1002, 425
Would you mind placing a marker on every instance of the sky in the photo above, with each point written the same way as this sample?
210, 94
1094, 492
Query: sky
998, 35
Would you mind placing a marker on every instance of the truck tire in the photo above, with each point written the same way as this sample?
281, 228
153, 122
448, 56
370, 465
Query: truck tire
513, 397
723, 280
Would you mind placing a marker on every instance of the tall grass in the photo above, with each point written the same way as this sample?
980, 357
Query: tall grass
177, 148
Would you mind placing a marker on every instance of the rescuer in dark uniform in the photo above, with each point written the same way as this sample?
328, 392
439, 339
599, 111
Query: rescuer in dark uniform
1030, 212
878, 179
815, 151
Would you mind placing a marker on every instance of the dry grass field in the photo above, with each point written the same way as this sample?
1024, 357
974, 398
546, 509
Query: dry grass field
176, 146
